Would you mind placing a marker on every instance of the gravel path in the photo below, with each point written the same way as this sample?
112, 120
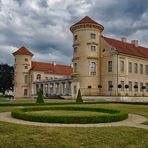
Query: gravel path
132, 121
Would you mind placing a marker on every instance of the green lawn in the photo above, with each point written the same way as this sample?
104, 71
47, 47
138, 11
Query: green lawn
130, 108
66, 113
22, 136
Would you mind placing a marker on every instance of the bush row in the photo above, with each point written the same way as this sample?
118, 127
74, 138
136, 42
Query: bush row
111, 116
67, 103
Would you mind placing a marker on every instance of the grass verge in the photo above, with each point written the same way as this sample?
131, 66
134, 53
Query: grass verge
14, 136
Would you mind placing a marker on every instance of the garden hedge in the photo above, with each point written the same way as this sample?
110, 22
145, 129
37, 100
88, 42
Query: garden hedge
66, 103
110, 116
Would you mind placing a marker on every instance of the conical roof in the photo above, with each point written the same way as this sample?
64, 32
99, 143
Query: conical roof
87, 20
23, 51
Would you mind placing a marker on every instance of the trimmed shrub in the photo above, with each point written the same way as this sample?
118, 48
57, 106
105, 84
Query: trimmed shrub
79, 97
110, 116
40, 98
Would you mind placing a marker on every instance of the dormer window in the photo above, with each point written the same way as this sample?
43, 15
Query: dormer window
93, 36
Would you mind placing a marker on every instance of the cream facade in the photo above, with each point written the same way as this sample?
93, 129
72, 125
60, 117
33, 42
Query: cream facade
101, 66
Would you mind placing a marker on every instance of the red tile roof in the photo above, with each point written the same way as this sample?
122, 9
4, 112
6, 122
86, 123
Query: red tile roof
51, 68
23, 51
127, 48
86, 19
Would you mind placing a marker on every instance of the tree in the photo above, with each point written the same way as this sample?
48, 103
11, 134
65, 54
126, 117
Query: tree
126, 87
119, 86
79, 97
89, 87
40, 98
143, 88
6, 77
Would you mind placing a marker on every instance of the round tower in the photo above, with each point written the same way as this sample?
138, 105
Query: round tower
86, 55
23, 58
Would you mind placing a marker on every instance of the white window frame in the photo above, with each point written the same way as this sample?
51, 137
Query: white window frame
93, 36
136, 68
93, 68
110, 66
130, 67
122, 66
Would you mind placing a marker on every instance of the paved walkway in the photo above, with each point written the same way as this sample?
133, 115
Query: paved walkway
132, 121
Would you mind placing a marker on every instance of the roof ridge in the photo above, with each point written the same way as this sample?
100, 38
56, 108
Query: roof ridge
51, 63
122, 41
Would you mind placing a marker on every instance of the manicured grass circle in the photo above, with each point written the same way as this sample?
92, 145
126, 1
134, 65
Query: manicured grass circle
87, 114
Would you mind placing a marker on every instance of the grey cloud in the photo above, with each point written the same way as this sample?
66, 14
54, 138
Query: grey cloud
43, 26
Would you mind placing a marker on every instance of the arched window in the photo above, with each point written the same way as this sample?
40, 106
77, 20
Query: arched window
75, 67
93, 68
38, 77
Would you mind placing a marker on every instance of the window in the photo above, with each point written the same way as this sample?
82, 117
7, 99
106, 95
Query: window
146, 85
26, 59
130, 67
93, 48
141, 68
146, 69
26, 67
136, 84
93, 36
136, 68
25, 92
75, 49
130, 86
121, 66
141, 84
109, 85
122, 83
75, 37
109, 66
26, 79
93, 68
75, 89
75, 67
38, 77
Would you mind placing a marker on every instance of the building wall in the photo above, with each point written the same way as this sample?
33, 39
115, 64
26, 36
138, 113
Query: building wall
108, 53
84, 57
22, 66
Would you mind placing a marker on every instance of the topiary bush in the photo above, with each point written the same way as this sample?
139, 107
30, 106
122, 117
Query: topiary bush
79, 97
109, 116
40, 98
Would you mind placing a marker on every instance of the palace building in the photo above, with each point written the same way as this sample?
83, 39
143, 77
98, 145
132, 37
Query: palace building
101, 66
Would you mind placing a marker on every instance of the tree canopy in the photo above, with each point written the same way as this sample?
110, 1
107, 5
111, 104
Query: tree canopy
6, 77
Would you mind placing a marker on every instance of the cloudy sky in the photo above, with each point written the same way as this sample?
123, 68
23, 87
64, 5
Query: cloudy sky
43, 25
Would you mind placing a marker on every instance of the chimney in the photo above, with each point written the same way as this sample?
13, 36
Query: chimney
124, 39
135, 42
71, 65
54, 63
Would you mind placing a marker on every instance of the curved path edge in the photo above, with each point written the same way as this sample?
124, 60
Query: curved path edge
133, 120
